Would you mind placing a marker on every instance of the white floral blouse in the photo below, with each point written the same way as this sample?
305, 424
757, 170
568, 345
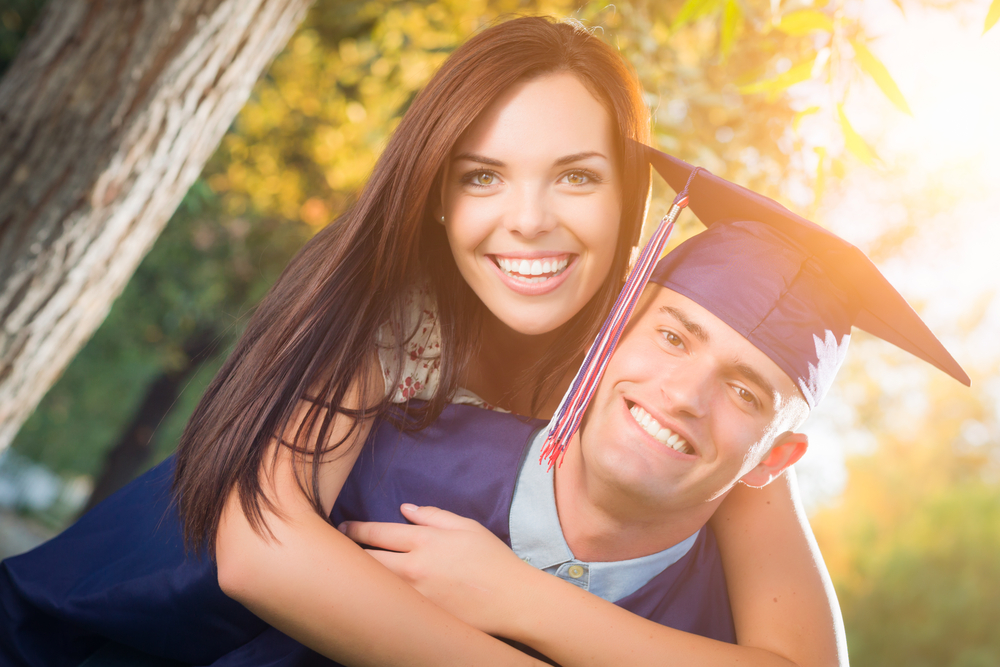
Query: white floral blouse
421, 372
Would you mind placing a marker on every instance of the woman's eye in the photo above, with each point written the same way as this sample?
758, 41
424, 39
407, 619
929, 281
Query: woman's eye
481, 179
580, 178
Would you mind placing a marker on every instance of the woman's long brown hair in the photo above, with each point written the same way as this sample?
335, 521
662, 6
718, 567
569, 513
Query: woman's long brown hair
314, 334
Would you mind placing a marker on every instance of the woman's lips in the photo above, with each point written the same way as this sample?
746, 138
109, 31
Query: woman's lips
535, 274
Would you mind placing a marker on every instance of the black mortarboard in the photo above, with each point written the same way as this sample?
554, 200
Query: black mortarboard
789, 286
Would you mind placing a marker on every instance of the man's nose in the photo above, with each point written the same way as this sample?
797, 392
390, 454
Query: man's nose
530, 215
687, 390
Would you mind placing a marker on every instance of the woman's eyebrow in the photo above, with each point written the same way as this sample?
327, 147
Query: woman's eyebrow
473, 157
575, 157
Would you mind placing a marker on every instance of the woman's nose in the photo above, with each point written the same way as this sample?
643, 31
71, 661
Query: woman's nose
531, 215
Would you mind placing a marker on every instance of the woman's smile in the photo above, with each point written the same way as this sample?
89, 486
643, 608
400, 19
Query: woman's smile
534, 274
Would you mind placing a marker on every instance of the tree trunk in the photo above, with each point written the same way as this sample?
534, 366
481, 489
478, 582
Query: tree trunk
134, 448
107, 117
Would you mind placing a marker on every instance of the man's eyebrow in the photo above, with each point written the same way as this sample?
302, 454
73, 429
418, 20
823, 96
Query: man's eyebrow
473, 157
576, 157
756, 378
693, 328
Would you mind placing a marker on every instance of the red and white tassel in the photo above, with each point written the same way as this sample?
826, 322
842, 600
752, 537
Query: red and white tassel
574, 404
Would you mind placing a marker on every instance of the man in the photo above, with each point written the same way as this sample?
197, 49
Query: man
739, 337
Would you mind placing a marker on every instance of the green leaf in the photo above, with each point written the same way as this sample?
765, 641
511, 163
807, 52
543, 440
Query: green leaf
877, 71
857, 146
695, 9
732, 19
992, 16
797, 74
804, 22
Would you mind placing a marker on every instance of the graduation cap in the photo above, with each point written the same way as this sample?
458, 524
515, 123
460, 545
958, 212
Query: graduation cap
792, 288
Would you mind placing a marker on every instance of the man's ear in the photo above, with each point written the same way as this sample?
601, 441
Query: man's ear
787, 449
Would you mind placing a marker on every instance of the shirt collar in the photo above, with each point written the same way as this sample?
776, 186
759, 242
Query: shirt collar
537, 538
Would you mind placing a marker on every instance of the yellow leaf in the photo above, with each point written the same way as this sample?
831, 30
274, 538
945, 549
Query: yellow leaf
804, 22
694, 10
992, 16
802, 114
877, 71
820, 185
838, 168
732, 19
858, 147
797, 74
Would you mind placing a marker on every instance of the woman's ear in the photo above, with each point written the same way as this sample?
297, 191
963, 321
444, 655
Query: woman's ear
787, 449
441, 183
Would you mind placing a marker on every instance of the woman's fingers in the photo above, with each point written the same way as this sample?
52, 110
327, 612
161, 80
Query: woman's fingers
436, 517
391, 536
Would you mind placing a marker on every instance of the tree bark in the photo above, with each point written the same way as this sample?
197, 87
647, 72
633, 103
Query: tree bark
107, 117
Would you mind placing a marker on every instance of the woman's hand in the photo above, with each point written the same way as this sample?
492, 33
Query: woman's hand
455, 562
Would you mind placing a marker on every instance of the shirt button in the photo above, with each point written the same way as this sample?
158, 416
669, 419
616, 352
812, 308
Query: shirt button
575, 571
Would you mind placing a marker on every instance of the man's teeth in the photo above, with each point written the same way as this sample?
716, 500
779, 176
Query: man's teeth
532, 271
662, 434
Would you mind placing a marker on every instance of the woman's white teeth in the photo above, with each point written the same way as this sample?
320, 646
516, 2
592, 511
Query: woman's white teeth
661, 433
532, 271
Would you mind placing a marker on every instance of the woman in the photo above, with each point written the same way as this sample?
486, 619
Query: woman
450, 227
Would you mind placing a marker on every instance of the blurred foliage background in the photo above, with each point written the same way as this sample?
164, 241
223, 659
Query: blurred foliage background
757, 91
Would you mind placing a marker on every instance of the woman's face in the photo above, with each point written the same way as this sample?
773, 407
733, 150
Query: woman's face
532, 203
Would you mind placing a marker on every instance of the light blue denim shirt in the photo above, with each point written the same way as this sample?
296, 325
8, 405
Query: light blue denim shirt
537, 538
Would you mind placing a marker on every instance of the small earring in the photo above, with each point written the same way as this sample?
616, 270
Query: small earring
441, 218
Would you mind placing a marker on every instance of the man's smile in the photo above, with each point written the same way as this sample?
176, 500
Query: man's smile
662, 434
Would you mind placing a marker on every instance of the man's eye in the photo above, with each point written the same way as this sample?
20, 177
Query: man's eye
673, 338
745, 395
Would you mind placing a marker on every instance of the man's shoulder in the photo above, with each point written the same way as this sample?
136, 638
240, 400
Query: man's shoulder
691, 594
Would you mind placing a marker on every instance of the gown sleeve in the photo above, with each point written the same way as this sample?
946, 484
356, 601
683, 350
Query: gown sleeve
119, 574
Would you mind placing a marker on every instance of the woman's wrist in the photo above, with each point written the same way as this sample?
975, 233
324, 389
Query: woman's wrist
523, 605
536, 605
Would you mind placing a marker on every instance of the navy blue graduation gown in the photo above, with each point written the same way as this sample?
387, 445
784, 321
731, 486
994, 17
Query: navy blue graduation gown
120, 573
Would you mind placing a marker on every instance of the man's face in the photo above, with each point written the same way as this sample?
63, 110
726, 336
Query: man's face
686, 407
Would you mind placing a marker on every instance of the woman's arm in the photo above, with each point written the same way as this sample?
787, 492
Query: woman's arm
309, 581
468, 571
779, 587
